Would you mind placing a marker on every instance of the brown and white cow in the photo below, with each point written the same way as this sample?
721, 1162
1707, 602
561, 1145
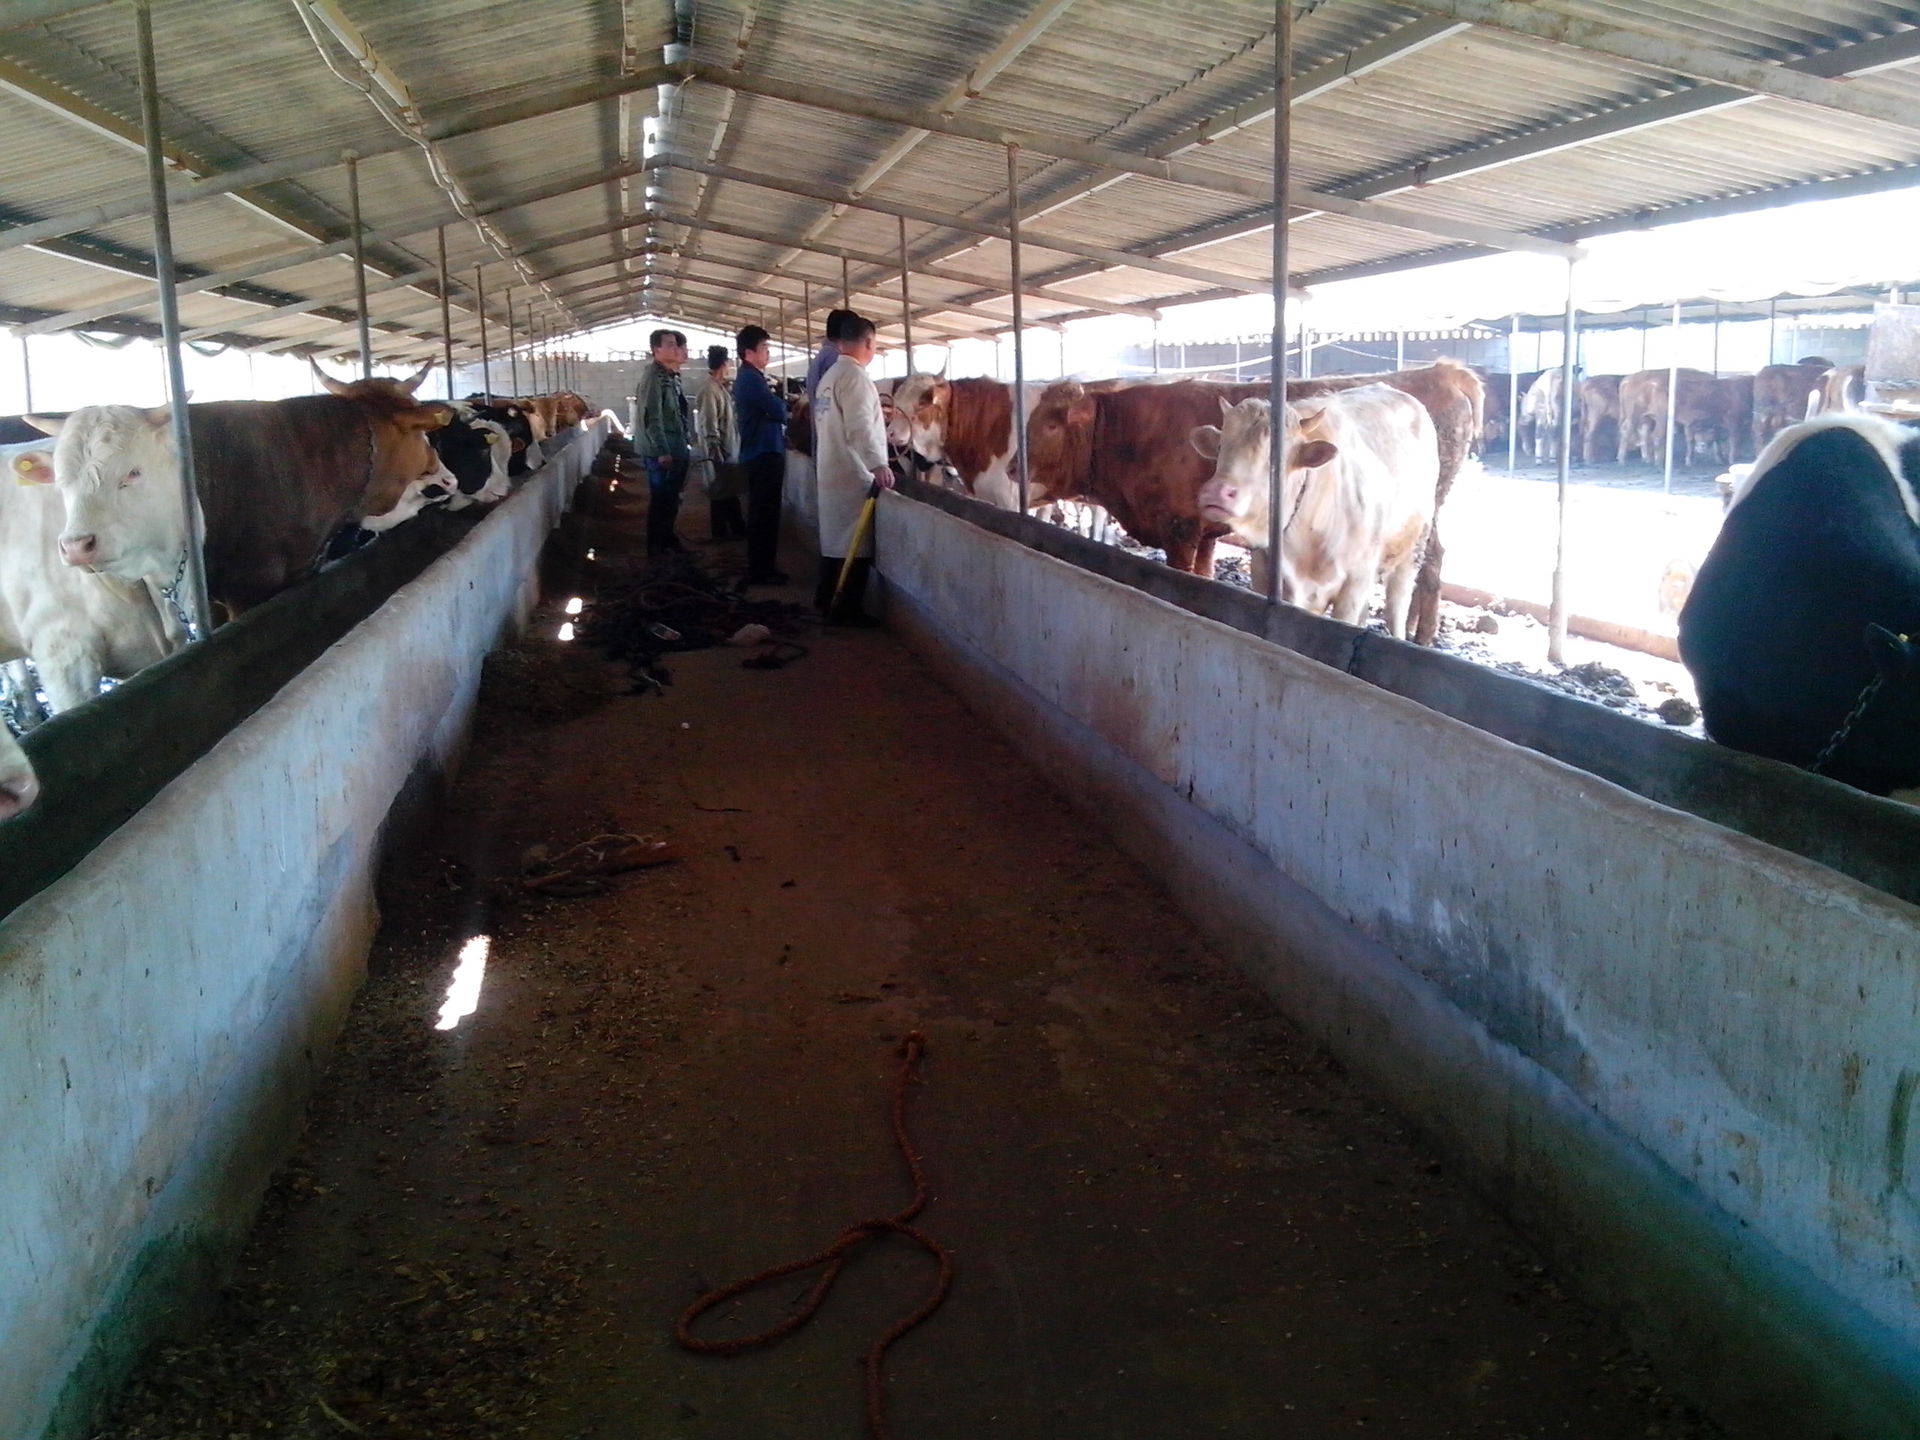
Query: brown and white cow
1362, 468
275, 480
1782, 396
1540, 410
967, 424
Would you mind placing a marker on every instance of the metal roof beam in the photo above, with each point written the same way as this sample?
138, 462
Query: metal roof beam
310, 163
681, 273
1104, 254
1843, 62
1105, 157
1772, 81
935, 272
73, 318
968, 87
301, 307
102, 122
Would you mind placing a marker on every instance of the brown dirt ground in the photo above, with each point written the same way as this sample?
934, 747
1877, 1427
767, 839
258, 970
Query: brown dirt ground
1172, 1215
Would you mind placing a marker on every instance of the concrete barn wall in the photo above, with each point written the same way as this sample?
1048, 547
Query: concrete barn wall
167, 1004
1684, 1061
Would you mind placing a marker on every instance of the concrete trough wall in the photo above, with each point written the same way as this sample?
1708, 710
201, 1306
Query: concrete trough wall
1684, 1060
167, 1004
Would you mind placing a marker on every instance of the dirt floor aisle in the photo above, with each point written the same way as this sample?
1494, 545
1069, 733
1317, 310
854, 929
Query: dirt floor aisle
1172, 1217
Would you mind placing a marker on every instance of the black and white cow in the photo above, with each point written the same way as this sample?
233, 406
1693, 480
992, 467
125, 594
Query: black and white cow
477, 452
511, 417
1807, 599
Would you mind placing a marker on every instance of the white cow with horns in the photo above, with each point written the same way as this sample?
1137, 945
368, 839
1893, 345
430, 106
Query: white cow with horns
1360, 482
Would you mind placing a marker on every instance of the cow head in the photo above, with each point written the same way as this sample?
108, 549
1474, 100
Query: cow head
1240, 492
404, 464
19, 787
119, 481
1060, 440
919, 415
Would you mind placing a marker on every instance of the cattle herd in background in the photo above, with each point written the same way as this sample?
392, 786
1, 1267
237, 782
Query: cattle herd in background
1718, 419
93, 544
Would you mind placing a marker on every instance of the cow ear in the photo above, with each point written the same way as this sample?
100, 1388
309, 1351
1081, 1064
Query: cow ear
1311, 454
425, 417
1206, 440
46, 424
33, 467
159, 417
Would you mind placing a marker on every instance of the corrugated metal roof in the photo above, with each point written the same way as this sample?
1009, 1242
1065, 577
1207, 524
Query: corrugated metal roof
244, 84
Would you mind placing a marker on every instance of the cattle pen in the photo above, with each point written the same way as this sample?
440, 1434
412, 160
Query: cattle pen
422, 987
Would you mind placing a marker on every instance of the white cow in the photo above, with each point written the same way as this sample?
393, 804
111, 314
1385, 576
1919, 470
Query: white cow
19, 788
74, 625
1360, 474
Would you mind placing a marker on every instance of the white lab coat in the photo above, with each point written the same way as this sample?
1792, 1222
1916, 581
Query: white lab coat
849, 444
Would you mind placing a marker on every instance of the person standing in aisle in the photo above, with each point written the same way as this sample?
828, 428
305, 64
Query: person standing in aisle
763, 454
720, 450
829, 349
663, 437
849, 456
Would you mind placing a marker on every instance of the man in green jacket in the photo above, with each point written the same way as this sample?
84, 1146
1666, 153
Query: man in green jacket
663, 434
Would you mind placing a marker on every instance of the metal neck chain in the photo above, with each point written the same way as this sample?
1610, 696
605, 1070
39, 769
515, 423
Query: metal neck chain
1854, 717
171, 594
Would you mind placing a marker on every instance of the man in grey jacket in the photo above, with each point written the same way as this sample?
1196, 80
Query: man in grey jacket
663, 434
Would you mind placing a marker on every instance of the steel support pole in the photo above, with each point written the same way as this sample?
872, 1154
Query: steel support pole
1279, 441
446, 308
26, 372
513, 353
1715, 367
1019, 348
359, 266
906, 295
194, 561
806, 317
1673, 388
785, 349
1557, 612
1513, 395
1399, 349
1306, 348
480, 304
846, 285
1772, 307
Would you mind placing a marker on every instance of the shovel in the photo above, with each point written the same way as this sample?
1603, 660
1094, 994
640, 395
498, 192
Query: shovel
862, 528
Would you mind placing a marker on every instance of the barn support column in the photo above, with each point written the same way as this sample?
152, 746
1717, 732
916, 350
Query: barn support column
1772, 315
26, 373
1673, 389
786, 349
906, 294
1278, 441
480, 303
806, 315
446, 308
1557, 613
1019, 347
1715, 367
193, 564
1513, 394
513, 354
1399, 349
359, 267
846, 285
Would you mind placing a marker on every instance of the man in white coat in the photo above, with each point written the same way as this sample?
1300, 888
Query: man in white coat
849, 457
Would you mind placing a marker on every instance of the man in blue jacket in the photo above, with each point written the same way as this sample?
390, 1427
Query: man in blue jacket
762, 418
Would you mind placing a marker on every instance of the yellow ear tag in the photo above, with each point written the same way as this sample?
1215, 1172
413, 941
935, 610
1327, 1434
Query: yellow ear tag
31, 467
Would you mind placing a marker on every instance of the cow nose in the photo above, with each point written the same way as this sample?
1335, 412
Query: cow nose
1229, 494
79, 549
17, 794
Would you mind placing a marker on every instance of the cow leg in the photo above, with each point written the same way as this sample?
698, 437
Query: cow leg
1400, 589
1350, 600
1203, 556
70, 673
1424, 615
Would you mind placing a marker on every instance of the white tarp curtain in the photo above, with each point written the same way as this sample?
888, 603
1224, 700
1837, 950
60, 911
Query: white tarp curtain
1813, 249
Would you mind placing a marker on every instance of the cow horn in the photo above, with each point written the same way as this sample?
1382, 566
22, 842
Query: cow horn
418, 378
46, 424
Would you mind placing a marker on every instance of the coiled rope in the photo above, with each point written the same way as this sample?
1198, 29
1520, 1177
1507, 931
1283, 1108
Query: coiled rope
835, 1256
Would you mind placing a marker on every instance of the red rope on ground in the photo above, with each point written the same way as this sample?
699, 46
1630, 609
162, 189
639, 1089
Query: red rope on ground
835, 1256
